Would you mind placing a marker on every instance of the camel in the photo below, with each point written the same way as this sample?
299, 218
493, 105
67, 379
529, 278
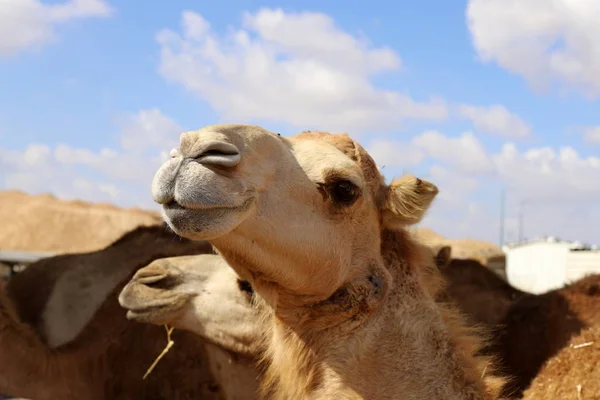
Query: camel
534, 337
482, 295
201, 294
573, 373
538, 327
63, 334
310, 223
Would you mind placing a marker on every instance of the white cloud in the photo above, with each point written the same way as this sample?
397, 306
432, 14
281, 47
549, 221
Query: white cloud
495, 120
122, 176
543, 41
464, 152
31, 23
455, 187
592, 135
295, 68
549, 176
394, 153
149, 128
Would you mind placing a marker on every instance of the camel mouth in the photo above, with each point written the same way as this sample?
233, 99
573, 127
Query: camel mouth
155, 312
173, 205
205, 222
150, 300
176, 206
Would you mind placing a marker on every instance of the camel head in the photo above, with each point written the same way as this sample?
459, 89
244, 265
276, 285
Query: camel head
301, 214
200, 294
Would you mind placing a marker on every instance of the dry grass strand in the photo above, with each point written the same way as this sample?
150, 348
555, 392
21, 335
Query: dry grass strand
170, 344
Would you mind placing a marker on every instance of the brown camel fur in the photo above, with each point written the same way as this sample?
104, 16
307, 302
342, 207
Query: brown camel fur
310, 223
573, 373
95, 352
537, 327
530, 334
479, 292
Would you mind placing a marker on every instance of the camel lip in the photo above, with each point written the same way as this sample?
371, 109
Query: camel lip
175, 206
147, 316
131, 303
151, 312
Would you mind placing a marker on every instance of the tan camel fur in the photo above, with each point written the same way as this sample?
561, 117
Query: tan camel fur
200, 294
310, 223
64, 336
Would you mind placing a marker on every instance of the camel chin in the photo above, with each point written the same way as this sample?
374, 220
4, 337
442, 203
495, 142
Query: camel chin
199, 223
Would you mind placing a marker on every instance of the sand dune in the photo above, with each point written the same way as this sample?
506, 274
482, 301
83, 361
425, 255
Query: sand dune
47, 224
461, 248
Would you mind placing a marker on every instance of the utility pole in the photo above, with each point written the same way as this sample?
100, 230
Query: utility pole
520, 222
502, 199
521, 204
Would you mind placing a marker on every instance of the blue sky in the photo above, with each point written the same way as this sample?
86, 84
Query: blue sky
99, 74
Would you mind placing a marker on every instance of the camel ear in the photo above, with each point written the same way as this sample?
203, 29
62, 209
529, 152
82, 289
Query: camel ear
443, 257
406, 201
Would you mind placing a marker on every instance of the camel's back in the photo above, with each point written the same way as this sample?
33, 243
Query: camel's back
538, 326
573, 373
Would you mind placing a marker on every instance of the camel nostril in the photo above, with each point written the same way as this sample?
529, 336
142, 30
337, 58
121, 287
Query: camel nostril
220, 154
159, 281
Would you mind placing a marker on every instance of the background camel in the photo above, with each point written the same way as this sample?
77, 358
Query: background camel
64, 336
537, 327
480, 293
534, 337
571, 374
200, 294
309, 222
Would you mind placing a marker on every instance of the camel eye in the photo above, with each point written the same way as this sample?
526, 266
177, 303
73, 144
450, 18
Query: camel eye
343, 192
245, 287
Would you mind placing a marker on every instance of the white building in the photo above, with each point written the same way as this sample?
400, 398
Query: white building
542, 265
